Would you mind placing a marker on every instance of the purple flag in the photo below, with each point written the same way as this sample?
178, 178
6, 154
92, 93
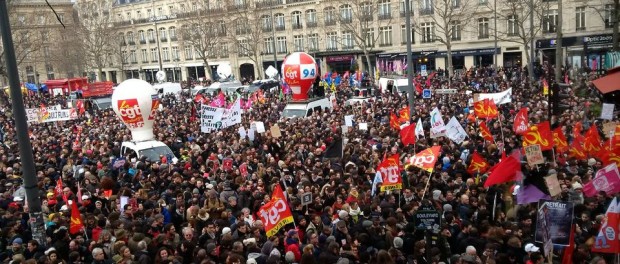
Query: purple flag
530, 194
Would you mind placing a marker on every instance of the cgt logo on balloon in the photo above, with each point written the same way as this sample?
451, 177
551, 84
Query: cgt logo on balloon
130, 112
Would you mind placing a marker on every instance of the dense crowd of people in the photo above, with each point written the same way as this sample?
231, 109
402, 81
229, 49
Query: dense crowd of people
192, 210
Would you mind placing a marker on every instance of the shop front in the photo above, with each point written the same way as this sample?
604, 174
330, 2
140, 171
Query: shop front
463, 59
580, 51
396, 63
195, 72
341, 63
267, 63
132, 74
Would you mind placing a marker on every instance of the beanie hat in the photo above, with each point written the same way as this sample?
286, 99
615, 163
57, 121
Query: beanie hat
398, 242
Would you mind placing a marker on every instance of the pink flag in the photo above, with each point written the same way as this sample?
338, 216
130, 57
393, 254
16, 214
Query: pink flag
606, 179
346, 75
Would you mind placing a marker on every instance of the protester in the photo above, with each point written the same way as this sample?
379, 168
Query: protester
193, 210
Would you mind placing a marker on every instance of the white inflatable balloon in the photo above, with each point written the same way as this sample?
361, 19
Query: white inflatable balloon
134, 103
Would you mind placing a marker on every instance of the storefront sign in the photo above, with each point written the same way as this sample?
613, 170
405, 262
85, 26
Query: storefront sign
341, 58
470, 52
415, 54
601, 39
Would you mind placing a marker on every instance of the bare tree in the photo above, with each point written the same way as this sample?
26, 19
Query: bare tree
26, 39
248, 27
609, 12
450, 19
97, 29
356, 19
203, 32
122, 54
517, 16
67, 56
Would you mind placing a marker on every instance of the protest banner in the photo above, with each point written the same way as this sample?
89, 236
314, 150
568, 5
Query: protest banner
534, 155
553, 184
275, 131
455, 131
499, 98
607, 111
216, 118
543, 224
558, 216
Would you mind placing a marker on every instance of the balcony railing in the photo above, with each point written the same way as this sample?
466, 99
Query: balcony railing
164, 39
387, 44
296, 1
131, 42
152, 40
346, 20
267, 28
174, 38
331, 49
330, 22
268, 3
426, 11
311, 24
347, 47
298, 26
143, 41
280, 27
385, 16
282, 51
366, 17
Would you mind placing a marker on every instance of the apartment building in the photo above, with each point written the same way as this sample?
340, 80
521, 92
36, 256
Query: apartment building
40, 40
344, 35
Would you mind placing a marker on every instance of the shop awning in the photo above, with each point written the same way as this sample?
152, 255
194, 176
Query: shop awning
609, 83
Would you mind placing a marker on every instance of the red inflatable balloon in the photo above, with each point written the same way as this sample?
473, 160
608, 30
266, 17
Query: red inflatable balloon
300, 72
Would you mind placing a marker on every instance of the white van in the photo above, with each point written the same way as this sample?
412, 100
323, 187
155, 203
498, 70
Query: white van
168, 88
151, 149
305, 108
400, 83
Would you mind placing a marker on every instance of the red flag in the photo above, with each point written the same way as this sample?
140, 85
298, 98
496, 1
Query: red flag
592, 143
407, 135
58, 189
521, 122
478, 164
485, 133
505, 171
80, 106
577, 129
539, 134
76, 219
276, 213
425, 159
559, 140
418, 87
576, 149
390, 173
394, 121
485, 109
567, 257
404, 115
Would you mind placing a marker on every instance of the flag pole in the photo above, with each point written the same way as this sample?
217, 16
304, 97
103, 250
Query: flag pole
501, 129
427, 183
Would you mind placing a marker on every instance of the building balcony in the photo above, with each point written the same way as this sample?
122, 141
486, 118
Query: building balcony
280, 28
131, 42
347, 47
330, 22
174, 38
267, 28
296, 1
166, 60
298, 26
311, 24
331, 49
143, 41
163, 39
346, 20
268, 3
282, 51
385, 44
426, 11
385, 16
152, 40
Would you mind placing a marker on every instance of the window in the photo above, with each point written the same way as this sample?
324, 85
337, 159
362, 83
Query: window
609, 16
46, 52
385, 36
45, 36
142, 36
154, 55
313, 42
279, 18
243, 48
297, 22
223, 48
160, 11
268, 48
513, 28
138, 14
173, 33
267, 23
298, 42
426, 7
50, 72
347, 40
149, 13
128, 15
385, 9
221, 27
455, 29
550, 20
366, 11
483, 28
370, 37
483, 2
330, 16
580, 18
346, 14
145, 56
130, 39
124, 57
428, 32
132, 57
403, 10
165, 54
189, 54
151, 35
332, 41
175, 54
162, 34
30, 73
281, 44
456, 3
403, 35
311, 18
171, 10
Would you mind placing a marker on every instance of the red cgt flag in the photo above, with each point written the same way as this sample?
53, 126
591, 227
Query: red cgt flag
390, 173
425, 159
485, 132
76, 219
592, 143
478, 164
521, 122
539, 134
276, 213
407, 135
485, 109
